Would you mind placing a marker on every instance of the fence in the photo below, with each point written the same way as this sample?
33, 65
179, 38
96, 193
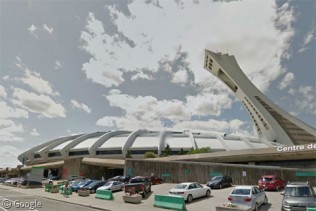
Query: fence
178, 171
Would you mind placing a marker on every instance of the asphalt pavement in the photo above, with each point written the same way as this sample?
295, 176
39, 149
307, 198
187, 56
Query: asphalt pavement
51, 201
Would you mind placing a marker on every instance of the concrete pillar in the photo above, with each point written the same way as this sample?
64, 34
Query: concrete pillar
71, 167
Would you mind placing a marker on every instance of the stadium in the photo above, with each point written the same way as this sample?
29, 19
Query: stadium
283, 140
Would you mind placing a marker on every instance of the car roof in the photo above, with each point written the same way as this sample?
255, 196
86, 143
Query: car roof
297, 184
244, 187
187, 183
269, 176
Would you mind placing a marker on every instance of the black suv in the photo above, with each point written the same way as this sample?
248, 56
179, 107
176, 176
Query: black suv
220, 182
298, 196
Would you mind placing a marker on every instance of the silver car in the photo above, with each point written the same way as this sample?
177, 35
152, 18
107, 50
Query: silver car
113, 185
298, 196
249, 196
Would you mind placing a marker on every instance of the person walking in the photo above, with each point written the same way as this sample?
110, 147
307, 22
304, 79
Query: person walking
66, 190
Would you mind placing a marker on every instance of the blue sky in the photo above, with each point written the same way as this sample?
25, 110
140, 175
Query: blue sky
70, 68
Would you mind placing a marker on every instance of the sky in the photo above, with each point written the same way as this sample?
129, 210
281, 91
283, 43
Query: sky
71, 67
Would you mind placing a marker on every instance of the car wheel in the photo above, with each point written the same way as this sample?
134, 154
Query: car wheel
208, 193
256, 207
50, 183
265, 200
220, 186
144, 194
190, 198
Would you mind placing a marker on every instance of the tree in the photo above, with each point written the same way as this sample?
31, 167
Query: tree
128, 154
197, 151
166, 152
149, 155
181, 152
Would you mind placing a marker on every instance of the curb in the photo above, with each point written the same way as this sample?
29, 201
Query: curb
73, 203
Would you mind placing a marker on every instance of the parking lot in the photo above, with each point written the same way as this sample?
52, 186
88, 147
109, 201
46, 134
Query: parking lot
217, 197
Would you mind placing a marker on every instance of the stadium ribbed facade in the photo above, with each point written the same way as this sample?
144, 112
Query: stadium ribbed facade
115, 144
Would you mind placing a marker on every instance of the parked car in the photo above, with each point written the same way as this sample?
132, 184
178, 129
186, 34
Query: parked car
113, 185
190, 191
25, 182
298, 196
74, 183
140, 185
2, 179
50, 180
220, 182
11, 181
271, 182
74, 177
81, 185
249, 196
124, 179
155, 180
95, 185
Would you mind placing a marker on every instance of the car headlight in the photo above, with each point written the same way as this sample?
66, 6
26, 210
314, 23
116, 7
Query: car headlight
286, 204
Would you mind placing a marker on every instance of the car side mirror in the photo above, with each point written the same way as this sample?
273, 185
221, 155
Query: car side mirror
282, 193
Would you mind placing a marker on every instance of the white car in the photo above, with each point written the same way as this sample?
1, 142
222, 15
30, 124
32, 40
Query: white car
112, 185
190, 191
250, 196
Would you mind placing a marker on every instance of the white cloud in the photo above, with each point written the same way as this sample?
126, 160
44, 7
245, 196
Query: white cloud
292, 91
58, 65
32, 30
48, 29
232, 127
306, 100
143, 111
260, 57
8, 130
3, 93
180, 77
141, 75
34, 132
81, 106
35, 81
307, 40
40, 104
286, 81
208, 104
7, 111
9, 156
147, 111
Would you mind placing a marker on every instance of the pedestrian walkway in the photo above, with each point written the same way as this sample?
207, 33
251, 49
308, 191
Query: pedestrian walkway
116, 205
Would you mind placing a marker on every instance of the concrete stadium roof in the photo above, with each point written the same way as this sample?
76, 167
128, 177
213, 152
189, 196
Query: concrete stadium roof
115, 144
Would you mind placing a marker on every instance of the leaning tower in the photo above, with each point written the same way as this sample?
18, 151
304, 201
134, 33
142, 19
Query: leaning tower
273, 124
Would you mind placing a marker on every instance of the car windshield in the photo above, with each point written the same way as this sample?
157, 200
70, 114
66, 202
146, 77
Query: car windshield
137, 180
216, 178
298, 192
241, 191
94, 183
108, 183
75, 182
266, 179
180, 186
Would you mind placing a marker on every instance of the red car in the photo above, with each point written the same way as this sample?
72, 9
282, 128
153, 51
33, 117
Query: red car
271, 182
155, 180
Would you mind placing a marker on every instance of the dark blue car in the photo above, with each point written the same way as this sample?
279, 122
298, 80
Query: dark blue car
81, 185
95, 185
